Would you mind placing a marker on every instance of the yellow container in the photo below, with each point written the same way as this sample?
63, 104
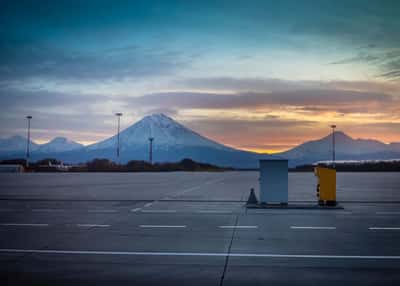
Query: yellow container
326, 188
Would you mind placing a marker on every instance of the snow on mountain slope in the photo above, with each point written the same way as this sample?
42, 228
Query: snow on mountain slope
166, 132
59, 144
15, 144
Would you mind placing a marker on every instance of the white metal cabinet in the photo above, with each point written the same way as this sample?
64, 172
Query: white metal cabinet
274, 181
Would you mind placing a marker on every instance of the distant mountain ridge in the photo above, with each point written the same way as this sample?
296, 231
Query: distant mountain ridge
346, 148
59, 144
17, 144
174, 142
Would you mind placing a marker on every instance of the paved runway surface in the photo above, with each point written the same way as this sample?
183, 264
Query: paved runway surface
193, 229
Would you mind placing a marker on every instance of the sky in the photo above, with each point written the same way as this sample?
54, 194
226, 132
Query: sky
255, 75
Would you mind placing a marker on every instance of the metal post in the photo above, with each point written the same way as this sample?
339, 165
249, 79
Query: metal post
333, 145
119, 117
28, 140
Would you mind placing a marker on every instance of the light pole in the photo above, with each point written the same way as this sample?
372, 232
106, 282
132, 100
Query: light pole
28, 140
333, 145
151, 150
119, 114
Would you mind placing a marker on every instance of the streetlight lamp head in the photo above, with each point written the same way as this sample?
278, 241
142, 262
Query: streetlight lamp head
29, 117
118, 114
333, 126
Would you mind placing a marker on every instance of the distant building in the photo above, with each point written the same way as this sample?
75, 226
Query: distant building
51, 167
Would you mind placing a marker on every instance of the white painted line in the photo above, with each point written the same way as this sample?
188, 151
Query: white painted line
158, 211
48, 210
135, 210
179, 193
147, 205
161, 226
213, 254
384, 228
239, 226
388, 213
213, 212
93, 225
24, 224
313, 227
102, 211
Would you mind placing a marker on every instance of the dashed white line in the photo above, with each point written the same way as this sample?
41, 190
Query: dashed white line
313, 227
213, 254
93, 225
158, 211
102, 211
147, 205
135, 210
182, 192
239, 226
161, 226
48, 210
213, 212
24, 224
384, 228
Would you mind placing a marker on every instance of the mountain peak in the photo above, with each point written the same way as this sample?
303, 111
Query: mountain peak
59, 140
59, 144
339, 136
167, 133
158, 118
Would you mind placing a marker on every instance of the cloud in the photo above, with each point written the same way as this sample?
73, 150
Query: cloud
19, 62
13, 99
264, 85
346, 101
386, 61
54, 114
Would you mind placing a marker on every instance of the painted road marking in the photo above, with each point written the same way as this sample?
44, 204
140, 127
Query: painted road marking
215, 254
147, 205
179, 193
239, 226
213, 212
48, 210
313, 227
158, 211
135, 210
161, 226
24, 224
93, 225
384, 228
102, 211
187, 191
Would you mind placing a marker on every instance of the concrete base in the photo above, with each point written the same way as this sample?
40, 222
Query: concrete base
294, 206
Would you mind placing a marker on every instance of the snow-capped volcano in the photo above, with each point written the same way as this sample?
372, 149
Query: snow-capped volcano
59, 144
172, 142
166, 132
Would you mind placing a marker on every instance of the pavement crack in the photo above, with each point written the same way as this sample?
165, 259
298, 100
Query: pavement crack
221, 282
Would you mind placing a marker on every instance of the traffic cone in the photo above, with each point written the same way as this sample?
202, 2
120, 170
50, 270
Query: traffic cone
252, 200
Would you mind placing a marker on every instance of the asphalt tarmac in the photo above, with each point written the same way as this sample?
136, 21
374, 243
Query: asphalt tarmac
193, 229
